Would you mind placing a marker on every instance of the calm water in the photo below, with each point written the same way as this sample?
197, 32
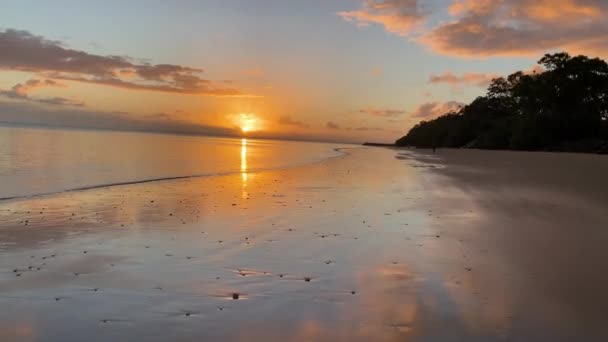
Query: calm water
39, 161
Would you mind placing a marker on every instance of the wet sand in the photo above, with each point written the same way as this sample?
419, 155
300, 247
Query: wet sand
380, 244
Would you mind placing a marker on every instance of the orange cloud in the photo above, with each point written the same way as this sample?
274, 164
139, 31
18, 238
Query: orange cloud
23, 89
485, 28
518, 28
382, 112
397, 16
550, 11
432, 110
470, 78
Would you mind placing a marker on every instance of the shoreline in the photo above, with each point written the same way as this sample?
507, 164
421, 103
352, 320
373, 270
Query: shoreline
397, 242
341, 150
412, 148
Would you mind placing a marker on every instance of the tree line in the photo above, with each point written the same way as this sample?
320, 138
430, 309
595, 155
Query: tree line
562, 108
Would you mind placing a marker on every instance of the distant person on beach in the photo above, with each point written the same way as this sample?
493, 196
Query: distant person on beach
434, 147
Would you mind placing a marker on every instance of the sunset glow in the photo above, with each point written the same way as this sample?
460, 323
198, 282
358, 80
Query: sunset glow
239, 77
247, 122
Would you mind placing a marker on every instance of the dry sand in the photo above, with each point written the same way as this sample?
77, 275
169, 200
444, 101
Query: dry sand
378, 245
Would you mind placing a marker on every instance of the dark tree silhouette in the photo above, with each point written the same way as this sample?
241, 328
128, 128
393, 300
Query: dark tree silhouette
563, 108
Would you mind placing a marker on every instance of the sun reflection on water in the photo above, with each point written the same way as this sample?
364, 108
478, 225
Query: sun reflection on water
244, 167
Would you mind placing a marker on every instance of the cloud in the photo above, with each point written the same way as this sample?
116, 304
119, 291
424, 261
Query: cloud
21, 91
520, 28
25, 88
288, 121
62, 101
332, 125
432, 110
467, 79
119, 83
486, 28
382, 112
397, 16
367, 129
23, 51
32, 114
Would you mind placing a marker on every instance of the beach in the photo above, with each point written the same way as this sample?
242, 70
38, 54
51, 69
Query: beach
369, 244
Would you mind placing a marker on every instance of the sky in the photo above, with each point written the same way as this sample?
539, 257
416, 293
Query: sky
331, 70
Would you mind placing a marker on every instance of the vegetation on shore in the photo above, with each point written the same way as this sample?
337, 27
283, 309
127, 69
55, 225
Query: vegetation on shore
562, 108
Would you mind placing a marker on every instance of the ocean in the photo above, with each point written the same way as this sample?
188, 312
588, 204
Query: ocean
37, 161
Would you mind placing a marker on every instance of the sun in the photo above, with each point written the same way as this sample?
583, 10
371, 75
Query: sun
247, 122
